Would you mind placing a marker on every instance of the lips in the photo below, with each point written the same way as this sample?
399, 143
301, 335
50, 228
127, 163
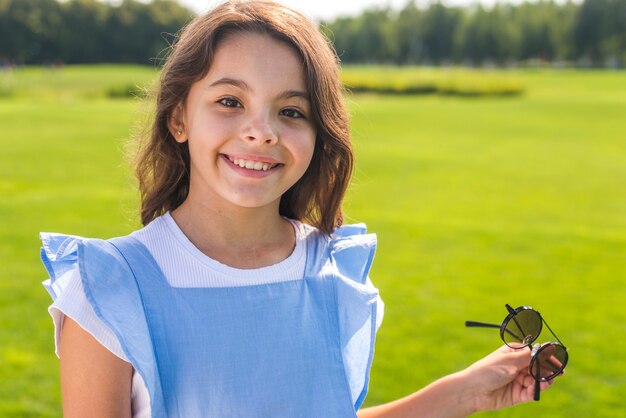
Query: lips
250, 164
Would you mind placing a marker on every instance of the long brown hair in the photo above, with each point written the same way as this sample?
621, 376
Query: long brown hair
162, 164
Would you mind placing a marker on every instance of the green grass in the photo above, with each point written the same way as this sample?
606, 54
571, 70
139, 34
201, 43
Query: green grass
75, 82
480, 203
476, 203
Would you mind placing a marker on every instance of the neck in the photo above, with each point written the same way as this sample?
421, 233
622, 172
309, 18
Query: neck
243, 238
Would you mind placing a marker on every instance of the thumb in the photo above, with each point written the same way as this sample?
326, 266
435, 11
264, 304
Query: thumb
519, 358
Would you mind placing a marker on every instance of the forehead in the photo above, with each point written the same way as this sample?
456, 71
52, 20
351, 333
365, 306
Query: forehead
258, 57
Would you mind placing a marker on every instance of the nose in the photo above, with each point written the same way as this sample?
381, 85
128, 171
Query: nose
260, 128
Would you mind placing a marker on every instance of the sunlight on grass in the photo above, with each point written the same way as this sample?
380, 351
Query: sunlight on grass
476, 203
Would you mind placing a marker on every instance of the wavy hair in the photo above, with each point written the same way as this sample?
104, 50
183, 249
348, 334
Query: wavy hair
162, 164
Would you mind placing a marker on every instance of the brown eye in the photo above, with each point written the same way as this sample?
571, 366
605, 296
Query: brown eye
292, 113
230, 102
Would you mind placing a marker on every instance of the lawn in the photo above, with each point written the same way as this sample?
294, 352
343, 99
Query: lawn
477, 202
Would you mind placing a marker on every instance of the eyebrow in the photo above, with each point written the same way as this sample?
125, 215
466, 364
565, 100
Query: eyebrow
295, 93
231, 82
244, 86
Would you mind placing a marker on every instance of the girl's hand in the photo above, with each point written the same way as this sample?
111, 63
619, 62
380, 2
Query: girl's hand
501, 379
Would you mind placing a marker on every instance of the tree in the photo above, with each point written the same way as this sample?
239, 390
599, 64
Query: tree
436, 30
407, 41
28, 28
600, 30
87, 31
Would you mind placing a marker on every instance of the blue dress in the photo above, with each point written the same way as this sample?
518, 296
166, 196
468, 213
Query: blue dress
286, 349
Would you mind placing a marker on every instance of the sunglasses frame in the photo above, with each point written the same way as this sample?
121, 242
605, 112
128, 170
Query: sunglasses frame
525, 342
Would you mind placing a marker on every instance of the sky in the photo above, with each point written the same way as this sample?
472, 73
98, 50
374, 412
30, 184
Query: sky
329, 9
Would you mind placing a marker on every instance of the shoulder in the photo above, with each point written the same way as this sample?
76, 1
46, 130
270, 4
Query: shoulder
352, 249
348, 251
353, 236
60, 255
159, 228
342, 234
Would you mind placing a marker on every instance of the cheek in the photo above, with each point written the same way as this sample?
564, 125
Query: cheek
306, 145
211, 129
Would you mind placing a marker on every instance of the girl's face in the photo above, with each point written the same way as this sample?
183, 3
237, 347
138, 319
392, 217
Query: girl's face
248, 123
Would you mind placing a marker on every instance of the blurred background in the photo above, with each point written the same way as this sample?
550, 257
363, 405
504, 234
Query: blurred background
559, 34
491, 163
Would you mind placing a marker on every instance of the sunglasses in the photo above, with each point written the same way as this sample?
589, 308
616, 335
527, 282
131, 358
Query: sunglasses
520, 329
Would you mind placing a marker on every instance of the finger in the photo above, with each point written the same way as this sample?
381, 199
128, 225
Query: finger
519, 358
528, 391
554, 362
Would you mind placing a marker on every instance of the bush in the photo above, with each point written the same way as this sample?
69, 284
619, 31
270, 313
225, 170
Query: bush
126, 91
421, 80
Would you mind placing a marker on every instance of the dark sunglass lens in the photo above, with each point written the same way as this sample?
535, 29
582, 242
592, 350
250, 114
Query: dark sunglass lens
522, 329
552, 359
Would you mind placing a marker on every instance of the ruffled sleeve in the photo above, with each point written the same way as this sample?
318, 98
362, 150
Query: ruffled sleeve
360, 307
108, 284
59, 254
60, 258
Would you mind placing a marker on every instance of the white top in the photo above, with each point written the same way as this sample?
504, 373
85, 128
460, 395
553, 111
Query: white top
183, 265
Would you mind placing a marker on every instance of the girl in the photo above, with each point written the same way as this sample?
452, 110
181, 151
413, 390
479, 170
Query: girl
243, 295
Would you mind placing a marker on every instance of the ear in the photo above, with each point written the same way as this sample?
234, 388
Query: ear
176, 124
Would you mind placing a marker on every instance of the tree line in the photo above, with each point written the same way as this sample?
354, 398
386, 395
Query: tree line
591, 33
87, 31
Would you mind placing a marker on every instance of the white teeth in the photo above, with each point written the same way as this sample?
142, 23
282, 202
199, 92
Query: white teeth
252, 165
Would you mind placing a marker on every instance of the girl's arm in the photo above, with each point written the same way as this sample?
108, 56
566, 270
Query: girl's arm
94, 382
499, 380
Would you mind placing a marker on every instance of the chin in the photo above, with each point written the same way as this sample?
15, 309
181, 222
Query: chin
255, 203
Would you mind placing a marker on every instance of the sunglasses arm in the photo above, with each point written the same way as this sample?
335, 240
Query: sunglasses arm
481, 324
487, 325
537, 382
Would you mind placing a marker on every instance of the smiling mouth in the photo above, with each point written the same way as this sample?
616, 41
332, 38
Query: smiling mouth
252, 165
